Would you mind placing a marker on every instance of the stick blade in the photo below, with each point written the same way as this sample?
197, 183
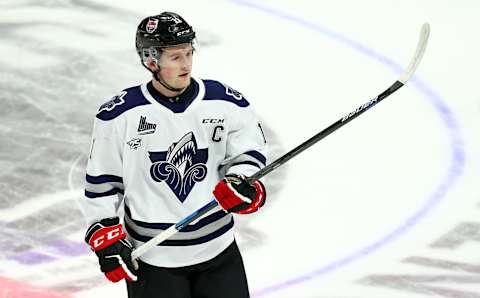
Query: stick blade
421, 46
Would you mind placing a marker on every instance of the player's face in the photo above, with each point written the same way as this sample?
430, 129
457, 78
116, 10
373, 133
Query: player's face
176, 65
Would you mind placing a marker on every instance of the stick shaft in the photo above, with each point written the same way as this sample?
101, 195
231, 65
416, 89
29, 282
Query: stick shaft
422, 43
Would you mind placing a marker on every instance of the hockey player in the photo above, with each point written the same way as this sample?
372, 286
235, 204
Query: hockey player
158, 151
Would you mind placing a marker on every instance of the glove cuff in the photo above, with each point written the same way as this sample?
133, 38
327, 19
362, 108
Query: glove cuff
259, 201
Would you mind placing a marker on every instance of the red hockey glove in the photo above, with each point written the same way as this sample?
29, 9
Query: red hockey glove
234, 194
107, 239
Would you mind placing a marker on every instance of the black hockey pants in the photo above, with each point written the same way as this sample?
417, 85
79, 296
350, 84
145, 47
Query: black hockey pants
220, 277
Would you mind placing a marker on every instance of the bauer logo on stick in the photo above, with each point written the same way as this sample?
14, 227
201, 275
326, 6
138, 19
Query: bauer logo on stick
361, 108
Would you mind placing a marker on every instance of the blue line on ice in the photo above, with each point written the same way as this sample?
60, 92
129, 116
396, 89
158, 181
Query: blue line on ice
455, 168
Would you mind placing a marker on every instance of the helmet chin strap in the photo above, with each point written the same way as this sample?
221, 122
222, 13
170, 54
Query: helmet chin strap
157, 77
165, 84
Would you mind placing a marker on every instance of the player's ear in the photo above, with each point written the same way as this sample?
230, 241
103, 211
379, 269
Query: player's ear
152, 66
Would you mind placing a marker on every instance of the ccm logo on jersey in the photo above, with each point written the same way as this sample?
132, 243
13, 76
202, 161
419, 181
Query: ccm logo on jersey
213, 120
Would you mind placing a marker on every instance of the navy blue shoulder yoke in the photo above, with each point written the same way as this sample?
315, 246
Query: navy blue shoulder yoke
126, 100
214, 90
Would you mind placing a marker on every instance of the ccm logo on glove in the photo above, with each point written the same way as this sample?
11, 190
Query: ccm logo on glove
106, 236
107, 239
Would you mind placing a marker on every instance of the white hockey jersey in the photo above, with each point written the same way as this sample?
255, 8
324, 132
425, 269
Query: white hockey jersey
161, 160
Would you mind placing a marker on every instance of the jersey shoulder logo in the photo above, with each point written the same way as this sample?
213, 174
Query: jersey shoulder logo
112, 103
232, 92
181, 166
215, 90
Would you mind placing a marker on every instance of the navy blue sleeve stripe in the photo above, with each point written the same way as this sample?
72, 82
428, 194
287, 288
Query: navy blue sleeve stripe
190, 228
195, 241
103, 179
257, 155
93, 195
247, 162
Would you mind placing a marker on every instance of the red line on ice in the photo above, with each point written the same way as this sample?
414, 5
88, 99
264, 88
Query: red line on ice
10, 288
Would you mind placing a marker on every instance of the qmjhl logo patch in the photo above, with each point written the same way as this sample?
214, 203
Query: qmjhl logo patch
144, 127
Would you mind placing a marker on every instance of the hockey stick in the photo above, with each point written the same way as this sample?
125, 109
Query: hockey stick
421, 46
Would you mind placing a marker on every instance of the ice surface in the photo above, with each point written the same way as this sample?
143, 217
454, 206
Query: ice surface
381, 190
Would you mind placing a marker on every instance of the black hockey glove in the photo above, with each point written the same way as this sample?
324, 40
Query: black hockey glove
107, 239
235, 194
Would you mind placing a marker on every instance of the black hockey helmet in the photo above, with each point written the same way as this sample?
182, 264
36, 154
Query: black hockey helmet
161, 31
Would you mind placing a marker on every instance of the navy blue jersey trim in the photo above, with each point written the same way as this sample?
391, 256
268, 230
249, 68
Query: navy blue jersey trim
93, 195
215, 90
184, 101
103, 179
257, 155
190, 228
126, 100
195, 241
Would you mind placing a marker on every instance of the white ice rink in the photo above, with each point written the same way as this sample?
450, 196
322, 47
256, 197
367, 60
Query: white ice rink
386, 207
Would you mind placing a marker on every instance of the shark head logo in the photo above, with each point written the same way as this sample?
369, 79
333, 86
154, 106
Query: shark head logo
181, 166
181, 153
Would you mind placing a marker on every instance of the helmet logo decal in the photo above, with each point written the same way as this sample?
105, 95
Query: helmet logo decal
172, 18
152, 25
